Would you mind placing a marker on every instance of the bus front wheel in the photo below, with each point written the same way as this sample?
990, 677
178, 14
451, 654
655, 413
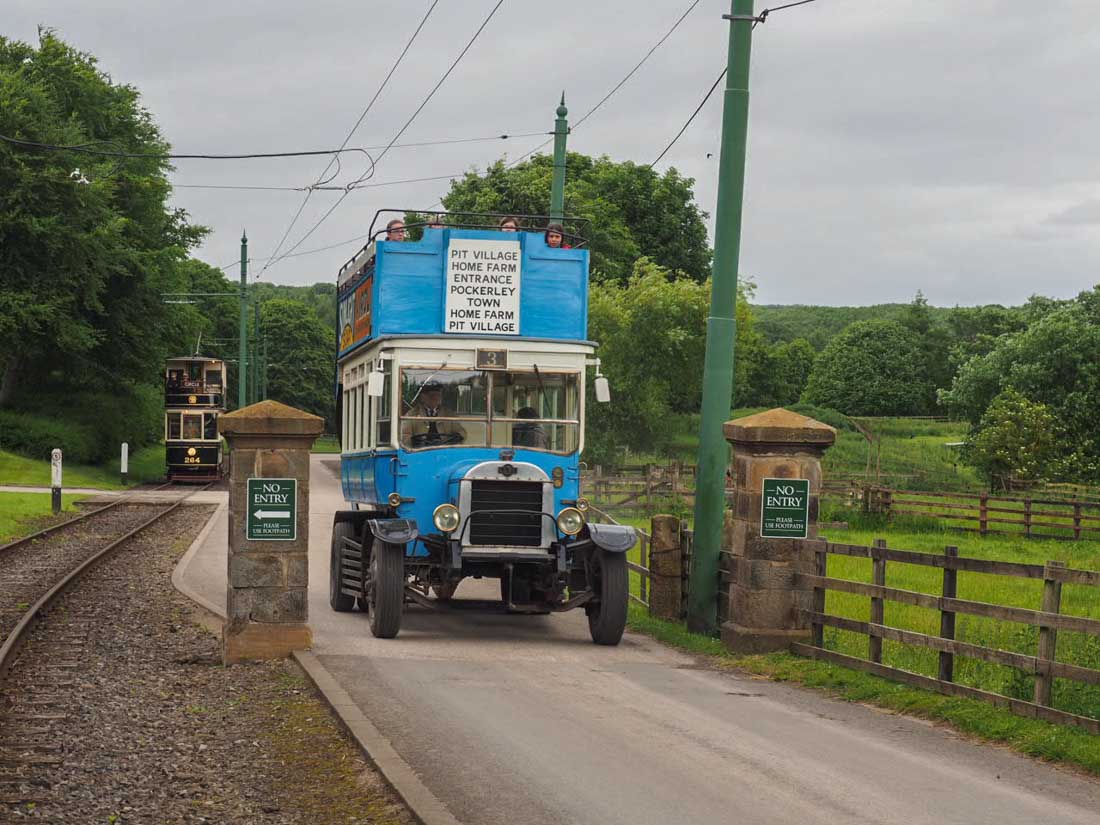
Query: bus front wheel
386, 597
607, 612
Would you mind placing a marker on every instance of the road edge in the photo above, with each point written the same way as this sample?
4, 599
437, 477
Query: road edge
425, 806
179, 572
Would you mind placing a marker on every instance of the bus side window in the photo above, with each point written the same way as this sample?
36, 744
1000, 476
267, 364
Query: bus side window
383, 434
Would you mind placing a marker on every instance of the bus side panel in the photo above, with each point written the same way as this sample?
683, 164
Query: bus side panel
408, 286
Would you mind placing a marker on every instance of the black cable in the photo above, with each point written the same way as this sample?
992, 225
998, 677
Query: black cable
615, 88
683, 128
309, 193
83, 148
763, 16
400, 132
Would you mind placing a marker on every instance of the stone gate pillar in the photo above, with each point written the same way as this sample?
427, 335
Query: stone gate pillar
777, 465
268, 592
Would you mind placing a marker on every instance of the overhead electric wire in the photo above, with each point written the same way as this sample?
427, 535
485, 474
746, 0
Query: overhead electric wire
352, 186
760, 19
381, 87
83, 148
616, 87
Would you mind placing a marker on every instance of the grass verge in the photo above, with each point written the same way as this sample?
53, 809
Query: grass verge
24, 513
326, 444
1054, 743
146, 464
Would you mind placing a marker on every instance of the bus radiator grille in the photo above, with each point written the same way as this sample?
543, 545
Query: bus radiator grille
505, 526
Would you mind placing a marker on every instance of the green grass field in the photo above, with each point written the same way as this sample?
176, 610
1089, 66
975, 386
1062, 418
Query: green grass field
326, 444
146, 464
24, 513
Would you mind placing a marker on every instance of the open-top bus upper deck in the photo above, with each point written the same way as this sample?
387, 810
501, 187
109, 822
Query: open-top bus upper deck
462, 281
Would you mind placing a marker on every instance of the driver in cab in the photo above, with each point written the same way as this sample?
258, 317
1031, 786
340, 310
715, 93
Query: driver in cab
419, 430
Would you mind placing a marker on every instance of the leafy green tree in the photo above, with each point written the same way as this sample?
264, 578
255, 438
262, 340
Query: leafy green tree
87, 244
872, 368
793, 362
633, 211
1054, 362
1015, 439
301, 352
935, 343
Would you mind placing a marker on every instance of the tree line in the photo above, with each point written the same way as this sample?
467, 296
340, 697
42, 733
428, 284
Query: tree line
90, 247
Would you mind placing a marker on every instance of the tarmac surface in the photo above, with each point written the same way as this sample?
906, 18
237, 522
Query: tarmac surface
522, 719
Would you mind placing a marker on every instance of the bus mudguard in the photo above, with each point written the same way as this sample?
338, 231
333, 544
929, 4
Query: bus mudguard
394, 530
614, 538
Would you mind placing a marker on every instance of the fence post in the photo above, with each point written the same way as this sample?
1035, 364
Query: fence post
947, 617
665, 567
1077, 519
1027, 516
1048, 636
821, 565
687, 538
878, 606
983, 513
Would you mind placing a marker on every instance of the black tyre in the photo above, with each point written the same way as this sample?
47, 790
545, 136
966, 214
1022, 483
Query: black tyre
607, 616
340, 602
387, 589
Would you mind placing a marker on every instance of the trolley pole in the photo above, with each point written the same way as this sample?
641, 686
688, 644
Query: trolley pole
721, 330
557, 186
242, 357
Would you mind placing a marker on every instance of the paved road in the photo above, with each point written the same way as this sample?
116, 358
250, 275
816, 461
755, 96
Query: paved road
522, 719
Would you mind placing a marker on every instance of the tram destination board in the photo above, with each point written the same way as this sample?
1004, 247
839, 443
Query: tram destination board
483, 281
785, 508
272, 509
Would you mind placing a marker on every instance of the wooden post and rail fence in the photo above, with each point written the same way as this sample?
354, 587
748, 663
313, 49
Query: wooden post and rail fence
773, 592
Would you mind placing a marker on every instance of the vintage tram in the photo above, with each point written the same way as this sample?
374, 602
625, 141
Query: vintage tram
462, 360
194, 397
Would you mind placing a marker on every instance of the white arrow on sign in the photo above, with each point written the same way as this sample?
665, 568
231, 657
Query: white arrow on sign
262, 514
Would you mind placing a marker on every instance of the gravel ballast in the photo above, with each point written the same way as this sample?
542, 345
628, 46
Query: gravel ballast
119, 710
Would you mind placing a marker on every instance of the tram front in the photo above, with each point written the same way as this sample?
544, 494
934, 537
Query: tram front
462, 371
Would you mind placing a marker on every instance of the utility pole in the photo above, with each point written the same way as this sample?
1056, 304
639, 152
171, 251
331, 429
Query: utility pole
242, 358
721, 328
557, 187
263, 373
254, 382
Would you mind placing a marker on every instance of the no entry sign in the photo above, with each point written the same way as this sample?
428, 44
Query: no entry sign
272, 509
785, 508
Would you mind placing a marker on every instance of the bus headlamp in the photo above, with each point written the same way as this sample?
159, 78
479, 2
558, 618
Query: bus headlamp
582, 505
446, 518
570, 521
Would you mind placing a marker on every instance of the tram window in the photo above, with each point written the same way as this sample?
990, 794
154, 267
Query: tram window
192, 427
214, 378
194, 371
209, 426
383, 435
173, 430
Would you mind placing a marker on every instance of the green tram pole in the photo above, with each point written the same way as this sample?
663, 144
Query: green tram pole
721, 328
254, 378
242, 341
557, 186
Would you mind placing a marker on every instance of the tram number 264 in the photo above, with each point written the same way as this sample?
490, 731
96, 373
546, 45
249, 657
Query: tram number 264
192, 459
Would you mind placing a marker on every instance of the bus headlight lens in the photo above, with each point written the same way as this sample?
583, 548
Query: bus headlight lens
570, 521
446, 518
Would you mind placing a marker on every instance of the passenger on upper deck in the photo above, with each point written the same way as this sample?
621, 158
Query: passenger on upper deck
555, 234
428, 404
509, 224
395, 230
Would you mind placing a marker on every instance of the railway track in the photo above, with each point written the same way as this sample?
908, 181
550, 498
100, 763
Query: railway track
34, 572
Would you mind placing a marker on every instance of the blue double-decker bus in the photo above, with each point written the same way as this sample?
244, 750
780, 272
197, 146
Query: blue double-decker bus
462, 361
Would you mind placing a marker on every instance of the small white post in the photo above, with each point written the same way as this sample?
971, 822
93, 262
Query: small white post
55, 480
124, 463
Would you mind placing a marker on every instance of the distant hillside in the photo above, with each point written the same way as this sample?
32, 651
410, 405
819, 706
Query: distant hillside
321, 297
818, 324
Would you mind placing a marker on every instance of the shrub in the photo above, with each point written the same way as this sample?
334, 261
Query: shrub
36, 436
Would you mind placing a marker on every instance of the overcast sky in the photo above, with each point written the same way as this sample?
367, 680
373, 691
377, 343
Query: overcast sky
895, 145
